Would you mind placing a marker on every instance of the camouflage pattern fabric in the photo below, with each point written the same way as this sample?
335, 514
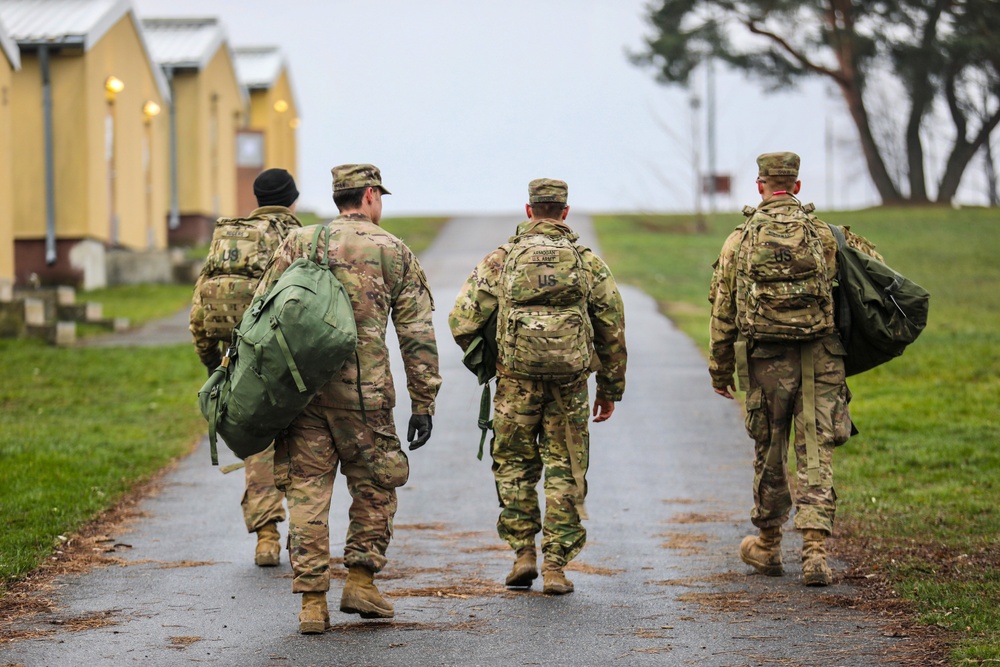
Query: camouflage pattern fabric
774, 402
262, 502
384, 279
216, 281
774, 398
530, 429
307, 457
531, 434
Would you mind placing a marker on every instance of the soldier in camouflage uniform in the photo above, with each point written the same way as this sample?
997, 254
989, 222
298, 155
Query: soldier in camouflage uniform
262, 503
542, 425
780, 383
349, 422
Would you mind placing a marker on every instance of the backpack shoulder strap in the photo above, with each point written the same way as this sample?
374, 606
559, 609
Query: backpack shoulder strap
843, 308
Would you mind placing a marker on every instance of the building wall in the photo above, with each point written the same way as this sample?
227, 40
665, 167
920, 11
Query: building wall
6, 178
279, 127
140, 161
209, 107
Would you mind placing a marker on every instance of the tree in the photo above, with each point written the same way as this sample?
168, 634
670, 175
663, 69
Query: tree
941, 52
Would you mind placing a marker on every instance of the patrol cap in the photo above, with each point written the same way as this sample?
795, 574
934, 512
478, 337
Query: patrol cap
547, 190
350, 176
778, 164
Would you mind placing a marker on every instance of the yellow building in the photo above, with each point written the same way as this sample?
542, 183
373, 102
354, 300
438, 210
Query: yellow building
90, 143
272, 119
206, 113
10, 61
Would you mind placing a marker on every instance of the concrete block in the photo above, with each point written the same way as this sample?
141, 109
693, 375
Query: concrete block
65, 295
65, 334
34, 312
89, 256
6, 291
90, 311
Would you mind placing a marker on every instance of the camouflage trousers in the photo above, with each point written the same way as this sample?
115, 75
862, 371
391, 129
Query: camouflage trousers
774, 404
306, 460
538, 426
262, 502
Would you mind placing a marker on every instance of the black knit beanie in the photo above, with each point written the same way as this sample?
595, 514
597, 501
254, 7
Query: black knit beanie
275, 187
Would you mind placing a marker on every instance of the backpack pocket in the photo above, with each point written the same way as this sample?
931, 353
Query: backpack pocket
549, 344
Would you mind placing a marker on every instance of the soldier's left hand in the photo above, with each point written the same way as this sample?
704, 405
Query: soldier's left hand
419, 431
603, 408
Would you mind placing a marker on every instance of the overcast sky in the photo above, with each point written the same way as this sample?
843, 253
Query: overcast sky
461, 103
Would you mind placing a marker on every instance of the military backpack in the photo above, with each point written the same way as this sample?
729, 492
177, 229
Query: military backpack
543, 327
784, 292
289, 344
239, 252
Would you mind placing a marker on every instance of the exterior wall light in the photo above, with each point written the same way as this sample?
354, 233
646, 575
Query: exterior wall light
113, 85
281, 106
294, 123
150, 109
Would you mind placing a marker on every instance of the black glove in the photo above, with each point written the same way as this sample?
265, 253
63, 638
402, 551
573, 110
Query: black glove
420, 426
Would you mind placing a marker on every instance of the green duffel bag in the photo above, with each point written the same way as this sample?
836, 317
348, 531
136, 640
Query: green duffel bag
289, 344
878, 311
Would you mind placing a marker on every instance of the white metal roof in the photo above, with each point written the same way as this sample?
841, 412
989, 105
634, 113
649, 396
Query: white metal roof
183, 42
72, 22
258, 66
80, 23
9, 47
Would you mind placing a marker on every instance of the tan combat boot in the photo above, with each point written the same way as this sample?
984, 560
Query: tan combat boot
815, 571
554, 581
764, 551
314, 619
525, 569
268, 546
361, 597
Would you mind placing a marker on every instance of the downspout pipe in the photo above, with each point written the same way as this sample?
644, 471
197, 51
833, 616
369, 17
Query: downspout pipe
174, 220
50, 174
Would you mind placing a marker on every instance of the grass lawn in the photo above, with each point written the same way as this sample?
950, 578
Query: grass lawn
919, 489
417, 233
78, 429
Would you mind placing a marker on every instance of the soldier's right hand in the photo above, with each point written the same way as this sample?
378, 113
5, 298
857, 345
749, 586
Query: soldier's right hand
419, 431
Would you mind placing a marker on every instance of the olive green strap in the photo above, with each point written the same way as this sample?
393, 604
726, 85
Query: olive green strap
213, 398
578, 476
809, 413
283, 344
742, 363
485, 423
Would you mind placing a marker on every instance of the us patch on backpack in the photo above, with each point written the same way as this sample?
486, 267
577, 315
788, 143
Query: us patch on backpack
783, 289
543, 330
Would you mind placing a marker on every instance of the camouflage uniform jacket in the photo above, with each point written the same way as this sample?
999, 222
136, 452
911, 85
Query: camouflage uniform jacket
383, 279
477, 300
722, 294
282, 221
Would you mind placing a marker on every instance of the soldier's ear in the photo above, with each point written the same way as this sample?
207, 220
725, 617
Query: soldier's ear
527, 210
798, 186
565, 212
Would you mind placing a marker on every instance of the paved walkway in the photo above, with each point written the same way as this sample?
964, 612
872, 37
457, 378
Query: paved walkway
659, 582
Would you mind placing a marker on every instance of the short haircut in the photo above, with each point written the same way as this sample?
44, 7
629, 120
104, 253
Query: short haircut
776, 183
547, 209
350, 198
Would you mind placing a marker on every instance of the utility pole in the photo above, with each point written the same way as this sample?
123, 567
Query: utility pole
710, 111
